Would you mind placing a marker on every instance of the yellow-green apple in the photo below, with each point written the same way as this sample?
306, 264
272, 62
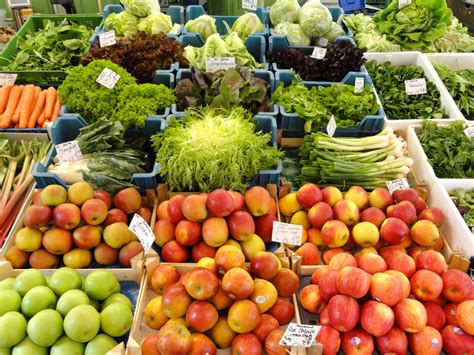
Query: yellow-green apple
365, 234
228, 257
357, 342
341, 260
376, 318
220, 203
162, 210
115, 215
457, 285
128, 200
264, 295
265, 326
162, 277
86, 237
11, 300
334, 234
258, 201
426, 285
272, 343
221, 299
371, 263
403, 210
104, 196
164, 232
35, 300
310, 298
387, 252
403, 263
57, 241
424, 233
327, 285
264, 265
394, 341
77, 258
330, 253
300, 218
67, 216
215, 231
438, 245
319, 214
187, 233
94, 211
286, 282
309, 253
202, 283
53, 195
194, 208
82, 323
380, 198
366, 250
251, 246
420, 205
105, 254
373, 215
201, 316
358, 195
221, 333
393, 230
343, 313
314, 237
456, 341
37, 216
386, 288
436, 317
353, 282
241, 225
202, 250
175, 301
173, 252
17, 257
238, 200
243, 316
207, 263
155, 318
148, 346
145, 213
410, 315
308, 195
289, 204
431, 260
41, 259
465, 316
246, 344
283, 310
238, 283
331, 195
450, 312
175, 213
128, 252
80, 192
41, 335
347, 211
330, 339
434, 215
427, 341
201, 344
405, 195
264, 227
175, 336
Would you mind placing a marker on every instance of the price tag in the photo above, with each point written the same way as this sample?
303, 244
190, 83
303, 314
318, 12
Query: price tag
331, 127
249, 4
215, 64
7, 79
403, 3
303, 335
287, 233
469, 131
319, 53
143, 231
415, 86
398, 184
68, 151
107, 39
359, 85
323, 42
108, 78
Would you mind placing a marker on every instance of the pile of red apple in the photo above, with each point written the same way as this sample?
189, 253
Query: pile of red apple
219, 304
76, 227
357, 220
198, 224
392, 302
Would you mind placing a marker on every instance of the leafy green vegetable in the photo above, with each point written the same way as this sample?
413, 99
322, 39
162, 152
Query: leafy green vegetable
294, 33
54, 47
213, 148
456, 39
156, 22
389, 82
124, 24
335, 31
247, 24
464, 201
285, 11
141, 8
315, 19
205, 25
449, 150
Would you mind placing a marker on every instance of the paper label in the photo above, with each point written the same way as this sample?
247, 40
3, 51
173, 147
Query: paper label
415, 86
331, 127
68, 151
403, 3
143, 231
359, 85
458, 331
355, 341
323, 42
107, 39
398, 184
300, 335
249, 4
215, 64
108, 78
319, 53
7, 79
287, 233
469, 131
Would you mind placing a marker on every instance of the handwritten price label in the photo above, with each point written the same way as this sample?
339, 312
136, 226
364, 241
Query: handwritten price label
7, 79
287, 233
398, 184
107, 39
249, 4
319, 53
415, 86
469, 131
403, 3
323, 42
108, 78
215, 64
302, 335
331, 127
359, 85
68, 151
143, 231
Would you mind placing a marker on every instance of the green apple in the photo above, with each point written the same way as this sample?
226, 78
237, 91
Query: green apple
7, 284
82, 323
27, 280
28, 347
37, 299
45, 327
67, 346
5, 351
101, 344
11, 301
116, 319
65, 279
100, 284
117, 298
71, 299
12, 329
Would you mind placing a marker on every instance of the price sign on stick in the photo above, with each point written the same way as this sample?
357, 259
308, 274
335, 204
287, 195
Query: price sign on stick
319, 53
108, 78
331, 127
107, 38
7, 79
359, 85
68, 151
415, 86
287, 233
215, 64
323, 42
302, 335
249, 4
398, 184
143, 231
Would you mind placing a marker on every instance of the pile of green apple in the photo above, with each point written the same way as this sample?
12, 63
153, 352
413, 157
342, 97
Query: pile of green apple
65, 314
78, 226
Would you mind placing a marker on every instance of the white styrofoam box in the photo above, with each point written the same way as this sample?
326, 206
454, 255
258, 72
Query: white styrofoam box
417, 59
455, 61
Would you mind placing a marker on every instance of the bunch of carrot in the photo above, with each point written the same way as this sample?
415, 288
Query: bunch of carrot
28, 106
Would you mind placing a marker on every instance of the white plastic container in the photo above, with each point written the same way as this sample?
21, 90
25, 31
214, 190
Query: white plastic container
420, 60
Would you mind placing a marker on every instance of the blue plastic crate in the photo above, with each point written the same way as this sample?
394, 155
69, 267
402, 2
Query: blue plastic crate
293, 126
66, 128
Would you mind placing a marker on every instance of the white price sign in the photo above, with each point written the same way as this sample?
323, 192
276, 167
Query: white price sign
215, 64
323, 42
107, 39
287, 233
415, 86
469, 132
7, 79
249, 4
108, 78
331, 127
403, 3
68, 151
398, 184
302, 335
359, 85
143, 231
319, 53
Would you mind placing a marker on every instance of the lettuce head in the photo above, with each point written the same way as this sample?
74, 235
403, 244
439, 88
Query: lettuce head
155, 23
123, 23
334, 32
141, 8
284, 11
293, 32
205, 25
247, 24
315, 19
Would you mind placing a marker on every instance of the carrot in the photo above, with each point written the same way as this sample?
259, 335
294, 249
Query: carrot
57, 108
38, 108
41, 118
16, 115
27, 101
4, 94
13, 99
50, 100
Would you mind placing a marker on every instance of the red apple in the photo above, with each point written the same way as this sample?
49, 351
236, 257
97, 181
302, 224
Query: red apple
201, 283
201, 316
286, 282
238, 200
403, 210
241, 225
319, 214
67, 216
264, 265
464, 315
394, 341
264, 227
343, 313
436, 316
318, 273
309, 253
308, 195
410, 315
457, 285
324, 315
353, 282
347, 212
310, 298
373, 215
376, 318
434, 215
405, 195
380, 198
220, 203
115, 215
246, 344
371, 263
283, 310
201, 344
330, 253
202, 250
272, 343
403, 263
174, 210
173, 252
104, 196
357, 342
450, 311
386, 288
420, 205
456, 341
37, 216
393, 230
265, 326
424, 233
340, 261
426, 285
431, 260
330, 339
427, 341
387, 252
128, 200
327, 284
